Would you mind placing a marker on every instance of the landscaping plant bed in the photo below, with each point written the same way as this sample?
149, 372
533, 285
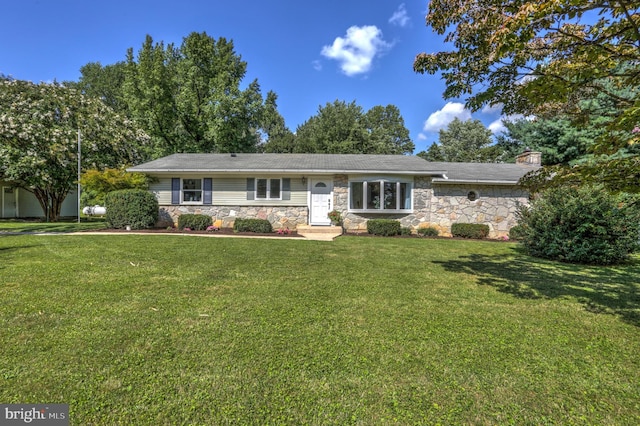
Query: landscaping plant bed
426, 237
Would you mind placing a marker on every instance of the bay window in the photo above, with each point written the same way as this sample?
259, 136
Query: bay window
380, 195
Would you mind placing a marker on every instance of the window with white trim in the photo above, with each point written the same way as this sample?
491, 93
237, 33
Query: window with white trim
380, 196
192, 191
268, 189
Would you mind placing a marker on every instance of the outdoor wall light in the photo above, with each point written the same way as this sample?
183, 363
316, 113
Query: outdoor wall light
304, 180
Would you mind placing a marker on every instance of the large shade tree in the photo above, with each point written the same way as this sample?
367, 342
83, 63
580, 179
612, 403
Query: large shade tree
336, 129
39, 125
189, 98
103, 82
463, 141
542, 57
559, 141
345, 128
276, 136
387, 132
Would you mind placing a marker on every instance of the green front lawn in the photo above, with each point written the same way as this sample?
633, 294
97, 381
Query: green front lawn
17, 225
172, 329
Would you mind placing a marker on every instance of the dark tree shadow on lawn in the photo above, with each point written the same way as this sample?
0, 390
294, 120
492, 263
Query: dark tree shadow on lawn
7, 249
612, 290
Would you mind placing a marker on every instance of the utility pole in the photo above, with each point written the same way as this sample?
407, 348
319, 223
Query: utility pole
79, 162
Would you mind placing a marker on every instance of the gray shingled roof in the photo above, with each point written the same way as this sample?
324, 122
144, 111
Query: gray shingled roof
480, 172
307, 163
334, 163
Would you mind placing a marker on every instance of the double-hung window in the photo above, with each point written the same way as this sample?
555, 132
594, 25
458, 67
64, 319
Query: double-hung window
192, 191
380, 196
268, 189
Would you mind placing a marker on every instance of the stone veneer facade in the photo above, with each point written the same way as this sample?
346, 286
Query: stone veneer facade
280, 217
437, 206
496, 206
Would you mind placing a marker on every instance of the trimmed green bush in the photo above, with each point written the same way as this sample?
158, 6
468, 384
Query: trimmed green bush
136, 208
195, 222
96, 184
470, 230
516, 233
405, 230
428, 232
581, 225
384, 227
262, 226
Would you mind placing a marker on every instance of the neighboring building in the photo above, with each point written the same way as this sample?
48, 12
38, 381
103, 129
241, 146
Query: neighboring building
291, 190
20, 203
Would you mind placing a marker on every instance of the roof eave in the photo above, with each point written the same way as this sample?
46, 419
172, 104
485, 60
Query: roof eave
298, 171
474, 181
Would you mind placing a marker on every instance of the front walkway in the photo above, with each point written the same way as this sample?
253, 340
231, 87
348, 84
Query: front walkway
315, 233
319, 233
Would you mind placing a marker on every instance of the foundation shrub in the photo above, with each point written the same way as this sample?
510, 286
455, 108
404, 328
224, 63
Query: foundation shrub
136, 208
384, 227
428, 232
262, 226
195, 222
585, 225
516, 233
405, 230
470, 230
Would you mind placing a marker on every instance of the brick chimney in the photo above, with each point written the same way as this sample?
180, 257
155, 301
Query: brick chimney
529, 158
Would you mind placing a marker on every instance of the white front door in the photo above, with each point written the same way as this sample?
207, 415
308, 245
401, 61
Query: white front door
320, 201
8, 202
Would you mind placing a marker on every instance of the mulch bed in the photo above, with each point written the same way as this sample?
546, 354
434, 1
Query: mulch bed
291, 234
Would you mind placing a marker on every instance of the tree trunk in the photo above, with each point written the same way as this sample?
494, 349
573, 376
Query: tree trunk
50, 201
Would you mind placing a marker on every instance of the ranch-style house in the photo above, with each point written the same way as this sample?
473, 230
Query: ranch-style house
296, 190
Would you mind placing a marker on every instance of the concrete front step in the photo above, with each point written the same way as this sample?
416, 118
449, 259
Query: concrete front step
311, 229
325, 233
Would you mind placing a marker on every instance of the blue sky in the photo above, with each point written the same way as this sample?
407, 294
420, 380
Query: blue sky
309, 53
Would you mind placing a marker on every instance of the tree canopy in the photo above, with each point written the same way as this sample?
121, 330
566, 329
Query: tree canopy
96, 184
192, 98
559, 141
542, 57
39, 126
569, 151
189, 98
345, 128
462, 141
104, 83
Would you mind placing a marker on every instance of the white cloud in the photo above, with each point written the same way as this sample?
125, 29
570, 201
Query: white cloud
422, 137
400, 17
317, 65
441, 119
490, 109
498, 125
357, 50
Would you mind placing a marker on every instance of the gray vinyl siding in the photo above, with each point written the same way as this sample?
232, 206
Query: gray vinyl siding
232, 192
162, 191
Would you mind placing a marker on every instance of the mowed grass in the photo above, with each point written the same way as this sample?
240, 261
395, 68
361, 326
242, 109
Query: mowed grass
36, 226
170, 329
